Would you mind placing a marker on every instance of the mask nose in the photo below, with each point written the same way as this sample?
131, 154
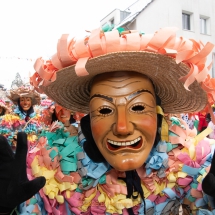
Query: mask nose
122, 127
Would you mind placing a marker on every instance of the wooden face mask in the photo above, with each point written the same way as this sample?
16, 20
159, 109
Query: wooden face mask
25, 103
62, 114
123, 118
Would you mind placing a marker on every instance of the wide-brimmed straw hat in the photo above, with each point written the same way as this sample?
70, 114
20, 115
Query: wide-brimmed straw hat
176, 66
23, 91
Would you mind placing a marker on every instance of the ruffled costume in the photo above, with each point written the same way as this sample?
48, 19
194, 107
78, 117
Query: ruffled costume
10, 124
174, 170
170, 177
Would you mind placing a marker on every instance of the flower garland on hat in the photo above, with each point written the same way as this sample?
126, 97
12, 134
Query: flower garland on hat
73, 60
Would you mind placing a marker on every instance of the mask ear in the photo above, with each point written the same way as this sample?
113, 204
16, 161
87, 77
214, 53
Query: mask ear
90, 147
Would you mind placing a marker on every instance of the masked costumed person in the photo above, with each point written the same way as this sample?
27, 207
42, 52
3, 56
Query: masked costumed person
47, 114
58, 113
126, 160
23, 118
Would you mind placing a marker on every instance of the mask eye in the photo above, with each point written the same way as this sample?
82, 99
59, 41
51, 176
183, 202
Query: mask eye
137, 108
105, 111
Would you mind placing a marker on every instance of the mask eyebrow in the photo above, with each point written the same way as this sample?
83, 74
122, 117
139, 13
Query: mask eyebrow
131, 96
102, 96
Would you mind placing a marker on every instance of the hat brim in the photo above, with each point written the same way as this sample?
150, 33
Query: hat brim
35, 98
73, 92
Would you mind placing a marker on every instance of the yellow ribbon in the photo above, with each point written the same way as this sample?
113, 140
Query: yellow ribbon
52, 186
87, 201
116, 203
164, 125
202, 135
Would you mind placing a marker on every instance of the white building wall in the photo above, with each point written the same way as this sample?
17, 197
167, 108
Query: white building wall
113, 15
166, 13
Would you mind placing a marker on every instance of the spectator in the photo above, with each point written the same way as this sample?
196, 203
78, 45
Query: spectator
23, 118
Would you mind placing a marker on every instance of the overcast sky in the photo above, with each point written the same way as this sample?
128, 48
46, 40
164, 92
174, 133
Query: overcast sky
31, 28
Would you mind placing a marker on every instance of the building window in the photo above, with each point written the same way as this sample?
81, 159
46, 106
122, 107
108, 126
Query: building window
203, 28
204, 25
112, 21
186, 21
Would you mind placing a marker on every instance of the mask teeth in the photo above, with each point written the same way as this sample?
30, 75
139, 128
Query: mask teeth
125, 143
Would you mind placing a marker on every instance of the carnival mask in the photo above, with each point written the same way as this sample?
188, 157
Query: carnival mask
123, 118
25, 103
62, 114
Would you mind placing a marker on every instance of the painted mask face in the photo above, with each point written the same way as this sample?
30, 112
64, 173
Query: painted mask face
63, 114
123, 118
25, 103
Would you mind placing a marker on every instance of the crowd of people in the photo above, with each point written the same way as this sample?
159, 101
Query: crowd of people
23, 111
128, 128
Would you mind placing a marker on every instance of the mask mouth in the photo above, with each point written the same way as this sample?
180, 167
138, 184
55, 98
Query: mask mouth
128, 144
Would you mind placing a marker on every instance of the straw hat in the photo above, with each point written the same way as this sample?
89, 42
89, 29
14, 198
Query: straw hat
15, 94
176, 66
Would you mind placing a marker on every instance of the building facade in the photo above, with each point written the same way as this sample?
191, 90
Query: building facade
194, 19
